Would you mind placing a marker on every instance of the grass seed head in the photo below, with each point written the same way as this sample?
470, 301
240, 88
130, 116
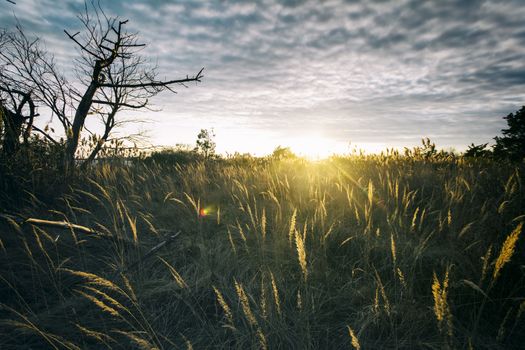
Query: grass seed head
507, 250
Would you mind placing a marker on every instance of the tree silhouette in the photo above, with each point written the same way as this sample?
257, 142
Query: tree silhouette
26, 73
205, 144
283, 153
112, 76
477, 151
117, 77
512, 144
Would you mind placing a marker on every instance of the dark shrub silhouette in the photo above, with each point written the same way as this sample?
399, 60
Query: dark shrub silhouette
512, 144
477, 151
283, 153
205, 145
177, 155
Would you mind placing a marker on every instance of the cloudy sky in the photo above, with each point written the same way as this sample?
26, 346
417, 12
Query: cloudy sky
305, 73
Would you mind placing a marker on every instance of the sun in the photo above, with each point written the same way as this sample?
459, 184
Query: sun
316, 146
309, 144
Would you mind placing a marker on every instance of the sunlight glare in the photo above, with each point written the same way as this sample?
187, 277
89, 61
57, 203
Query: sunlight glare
315, 146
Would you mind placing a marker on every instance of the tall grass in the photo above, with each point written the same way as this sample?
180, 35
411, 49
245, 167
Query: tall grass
373, 252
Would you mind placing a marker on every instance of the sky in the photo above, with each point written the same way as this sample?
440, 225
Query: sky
318, 76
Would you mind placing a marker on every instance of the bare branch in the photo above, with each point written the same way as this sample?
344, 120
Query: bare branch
82, 47
46, 135
122, 104
112, 74
196, 78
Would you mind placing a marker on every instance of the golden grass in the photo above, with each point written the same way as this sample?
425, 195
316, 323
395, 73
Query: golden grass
292, 230
263, 306
353, 337
309, 246
224, 305
99, 336
393, 248
441, 305
381, 289
174, 273
275, 292
94, 279
301, 253
243, 298
140, 342
99, 303
507, 250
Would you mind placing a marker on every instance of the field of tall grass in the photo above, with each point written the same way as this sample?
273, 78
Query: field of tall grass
357, 252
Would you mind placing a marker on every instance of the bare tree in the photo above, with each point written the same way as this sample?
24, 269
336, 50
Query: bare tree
112, 76
27, 78
14, 120
118, 75
10, 121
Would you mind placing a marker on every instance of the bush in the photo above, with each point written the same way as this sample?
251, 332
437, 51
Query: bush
512, 144
283, 153
477, 151
174, 156
35, 168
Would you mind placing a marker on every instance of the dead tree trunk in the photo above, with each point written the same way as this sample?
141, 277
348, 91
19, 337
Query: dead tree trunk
117, 78
15, 120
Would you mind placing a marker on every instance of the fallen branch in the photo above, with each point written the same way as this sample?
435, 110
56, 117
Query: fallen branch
69, 226
63, 225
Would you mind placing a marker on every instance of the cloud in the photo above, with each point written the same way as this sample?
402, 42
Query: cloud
381, 71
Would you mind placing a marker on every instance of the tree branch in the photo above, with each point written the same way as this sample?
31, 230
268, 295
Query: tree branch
46, 135
197, 78
83, 47
121, 104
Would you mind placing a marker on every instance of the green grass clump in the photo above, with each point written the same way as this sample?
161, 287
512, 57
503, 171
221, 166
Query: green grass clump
364, 252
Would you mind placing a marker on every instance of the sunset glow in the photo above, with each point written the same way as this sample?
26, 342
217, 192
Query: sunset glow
266, 174
276, 70
316, 146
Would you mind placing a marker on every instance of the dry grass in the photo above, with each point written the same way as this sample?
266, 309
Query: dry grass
413, 253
